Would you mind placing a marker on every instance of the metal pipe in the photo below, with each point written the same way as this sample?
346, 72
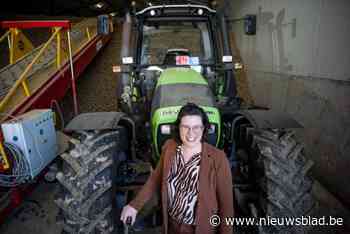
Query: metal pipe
74, 89
12, 39
6, 164
230, 82
58, 49
125, 52
88, 33
4, 36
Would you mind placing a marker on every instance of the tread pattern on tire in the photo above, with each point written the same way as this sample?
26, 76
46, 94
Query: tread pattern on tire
85, 197
284, 184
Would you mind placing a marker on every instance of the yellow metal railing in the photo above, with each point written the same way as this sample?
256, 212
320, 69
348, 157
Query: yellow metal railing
5, 163
13, 36
4, 36
22, 79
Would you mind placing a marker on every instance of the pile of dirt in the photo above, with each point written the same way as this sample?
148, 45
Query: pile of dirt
96, 87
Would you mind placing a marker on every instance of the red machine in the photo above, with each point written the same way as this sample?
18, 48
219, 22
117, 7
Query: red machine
69, 62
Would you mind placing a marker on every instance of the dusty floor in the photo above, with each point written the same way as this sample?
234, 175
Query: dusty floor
38, 213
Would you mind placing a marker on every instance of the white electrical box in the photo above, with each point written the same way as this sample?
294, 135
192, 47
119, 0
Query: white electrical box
34, 133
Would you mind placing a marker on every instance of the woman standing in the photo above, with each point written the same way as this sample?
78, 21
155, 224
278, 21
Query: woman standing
193, 178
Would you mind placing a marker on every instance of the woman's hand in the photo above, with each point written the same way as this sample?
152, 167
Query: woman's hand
128, 211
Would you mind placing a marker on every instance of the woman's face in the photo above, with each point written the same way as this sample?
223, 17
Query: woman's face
191, 130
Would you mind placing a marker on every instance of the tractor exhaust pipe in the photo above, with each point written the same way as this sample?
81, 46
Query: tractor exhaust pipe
126, 36
230, 83
123, 89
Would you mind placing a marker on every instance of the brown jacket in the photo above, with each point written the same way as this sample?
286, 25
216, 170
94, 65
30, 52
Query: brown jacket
215, 188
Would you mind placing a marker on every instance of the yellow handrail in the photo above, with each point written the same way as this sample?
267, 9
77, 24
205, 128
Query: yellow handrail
4, 36
21, 80
58, 48
88, 33
6, 164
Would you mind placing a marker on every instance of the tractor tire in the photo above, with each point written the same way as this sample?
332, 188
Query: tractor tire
281, 172
86, 196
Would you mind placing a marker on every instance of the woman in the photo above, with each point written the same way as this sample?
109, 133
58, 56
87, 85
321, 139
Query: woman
193, 178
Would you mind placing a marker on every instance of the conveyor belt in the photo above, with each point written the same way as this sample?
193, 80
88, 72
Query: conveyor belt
43, 70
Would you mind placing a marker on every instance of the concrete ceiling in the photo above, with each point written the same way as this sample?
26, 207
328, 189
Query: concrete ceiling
61, 7
12, 9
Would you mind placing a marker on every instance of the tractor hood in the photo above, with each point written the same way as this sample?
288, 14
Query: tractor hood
175, 88
180, 75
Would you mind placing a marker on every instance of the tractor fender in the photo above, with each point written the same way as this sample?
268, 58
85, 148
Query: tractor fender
95, 121
269, 119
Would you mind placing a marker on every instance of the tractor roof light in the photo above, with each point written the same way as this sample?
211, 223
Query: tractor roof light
152, 12
200, 12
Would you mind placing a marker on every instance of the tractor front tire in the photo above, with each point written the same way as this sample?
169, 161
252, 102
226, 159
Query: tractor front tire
86, 196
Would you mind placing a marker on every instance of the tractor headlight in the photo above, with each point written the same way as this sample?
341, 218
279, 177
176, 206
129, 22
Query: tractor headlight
165, 129
211, 129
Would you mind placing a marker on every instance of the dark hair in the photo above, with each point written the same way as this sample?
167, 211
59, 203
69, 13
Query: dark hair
191, 109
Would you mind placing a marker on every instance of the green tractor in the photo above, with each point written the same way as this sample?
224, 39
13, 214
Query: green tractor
173, 54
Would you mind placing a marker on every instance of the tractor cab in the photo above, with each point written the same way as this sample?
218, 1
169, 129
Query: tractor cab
173, 36
176, 59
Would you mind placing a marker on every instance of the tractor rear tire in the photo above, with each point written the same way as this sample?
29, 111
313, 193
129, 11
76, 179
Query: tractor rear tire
86, 196
281, 172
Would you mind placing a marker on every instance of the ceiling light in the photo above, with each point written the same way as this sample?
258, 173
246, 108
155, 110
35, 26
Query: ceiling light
99, 5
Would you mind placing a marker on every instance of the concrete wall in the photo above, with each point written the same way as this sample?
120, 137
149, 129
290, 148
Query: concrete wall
299, 62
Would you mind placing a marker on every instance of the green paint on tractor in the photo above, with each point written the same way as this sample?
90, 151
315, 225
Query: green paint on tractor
180, 75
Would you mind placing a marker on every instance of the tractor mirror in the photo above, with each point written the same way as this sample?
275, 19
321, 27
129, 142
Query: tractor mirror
250, 24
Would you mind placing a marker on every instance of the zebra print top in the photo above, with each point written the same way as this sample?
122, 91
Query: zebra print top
183, 188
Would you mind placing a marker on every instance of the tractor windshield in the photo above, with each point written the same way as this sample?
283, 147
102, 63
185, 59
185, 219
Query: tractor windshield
164, 41
182, 93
